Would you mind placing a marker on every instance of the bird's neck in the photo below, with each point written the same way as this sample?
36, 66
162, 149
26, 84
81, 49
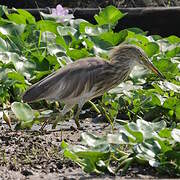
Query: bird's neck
123, 64
122, 68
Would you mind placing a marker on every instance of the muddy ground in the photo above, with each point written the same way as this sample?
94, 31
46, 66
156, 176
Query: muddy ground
37, 155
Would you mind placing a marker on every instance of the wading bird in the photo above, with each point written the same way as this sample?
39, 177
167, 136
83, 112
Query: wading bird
87, 78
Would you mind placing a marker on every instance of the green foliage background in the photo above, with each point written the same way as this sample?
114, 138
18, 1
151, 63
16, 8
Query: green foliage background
30, 50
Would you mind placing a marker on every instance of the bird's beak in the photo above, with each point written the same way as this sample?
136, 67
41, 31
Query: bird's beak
148, 64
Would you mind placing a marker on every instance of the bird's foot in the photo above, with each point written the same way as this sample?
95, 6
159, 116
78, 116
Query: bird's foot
60, 117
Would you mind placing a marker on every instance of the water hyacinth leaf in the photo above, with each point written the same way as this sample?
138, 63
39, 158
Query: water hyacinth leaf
173, 52
170, 103
114, 38
28, 16
164, 144
109, 15
16, 76
137, 30
101, 47
173, 39
75, 23
149, 149
77, 54
3, 45
120, 138
23, 112
164, 86
88, 159
138, 39
151, 48
18, 19
172, 86
46, 25
56, 50
48, 37
146, 128
66, 30
83, 25
91, 160
60, 41
24, 125
88, 43
133, 129
177, 111
92, 140
94, 31
21, 65
154, 163
176, 134
3, 10
165, 133
166, 67
158, 126
7, 28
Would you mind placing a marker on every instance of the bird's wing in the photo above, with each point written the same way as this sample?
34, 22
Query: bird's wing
69, 82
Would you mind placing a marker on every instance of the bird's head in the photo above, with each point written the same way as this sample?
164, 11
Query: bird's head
134, 55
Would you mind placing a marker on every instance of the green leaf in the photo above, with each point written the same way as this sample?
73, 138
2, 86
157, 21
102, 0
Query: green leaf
170, 103
114, 38
28, 16
165, 133
109, 15
46, 25
173, 52
24, 125
16, 76
3, 10
18, 19
138, 39
165, 66
147, 128
3, 45
158, 126
173, 39
94, 31
84, 25
151, 48
77, 54
177, 111
137, 30
92, 140
60, 41
8, 28
66, 30
176, 134
23, 112
120, 138
64, 145
133, 129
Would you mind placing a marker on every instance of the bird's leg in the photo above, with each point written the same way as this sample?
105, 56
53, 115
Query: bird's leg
76, 116
61, 115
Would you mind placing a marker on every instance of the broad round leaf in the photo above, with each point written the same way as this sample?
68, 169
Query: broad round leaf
23, 112
176, 134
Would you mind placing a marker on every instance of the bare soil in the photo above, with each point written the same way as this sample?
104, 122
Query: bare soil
37, 155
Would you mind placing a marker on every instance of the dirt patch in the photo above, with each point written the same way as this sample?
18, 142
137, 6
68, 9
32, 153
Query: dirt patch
37, 155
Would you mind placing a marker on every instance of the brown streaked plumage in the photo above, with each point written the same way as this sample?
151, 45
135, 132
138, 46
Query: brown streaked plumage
87, 78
